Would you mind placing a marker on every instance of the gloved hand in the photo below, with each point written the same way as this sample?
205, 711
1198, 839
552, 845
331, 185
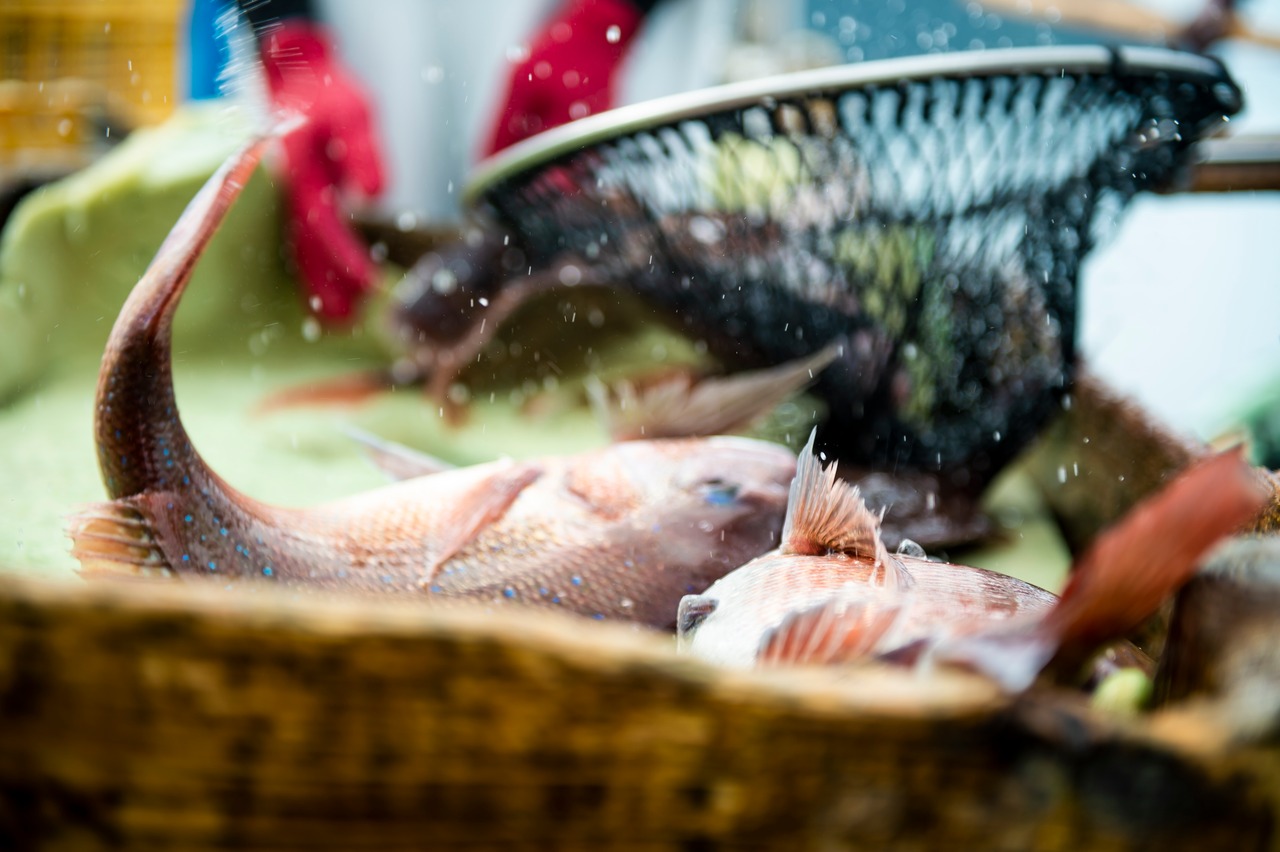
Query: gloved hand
334, 150
569, 72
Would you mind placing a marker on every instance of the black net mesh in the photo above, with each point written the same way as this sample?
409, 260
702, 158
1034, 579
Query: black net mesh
937, 225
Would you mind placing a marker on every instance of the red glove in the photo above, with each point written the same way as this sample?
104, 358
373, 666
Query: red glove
569, 72
334, 149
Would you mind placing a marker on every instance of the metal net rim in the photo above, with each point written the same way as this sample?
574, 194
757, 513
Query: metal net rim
1122, 62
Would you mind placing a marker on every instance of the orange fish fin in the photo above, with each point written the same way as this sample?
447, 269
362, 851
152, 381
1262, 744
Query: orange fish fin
488, 501
396, 460
1131, 568
840, 630
345, 391
681, 405
827, 515
1124, 576
116, 538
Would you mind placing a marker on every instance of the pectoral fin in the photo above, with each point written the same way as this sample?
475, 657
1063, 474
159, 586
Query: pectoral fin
486, 503
840, 630
682, 405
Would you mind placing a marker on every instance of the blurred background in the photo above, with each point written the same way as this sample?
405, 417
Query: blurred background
1181, 309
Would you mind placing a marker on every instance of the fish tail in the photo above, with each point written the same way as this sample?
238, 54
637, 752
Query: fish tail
136, 424
1154, 549
116, 538
1122, 579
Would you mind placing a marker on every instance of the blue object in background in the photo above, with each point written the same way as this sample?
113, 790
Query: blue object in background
208, 49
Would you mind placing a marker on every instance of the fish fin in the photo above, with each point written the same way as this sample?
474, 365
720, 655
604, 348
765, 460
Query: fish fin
396, 460
683, 406
116, 538
1126, 574
839, 630
826, 515
468, 517
347, 391
1132, 567
1012, 656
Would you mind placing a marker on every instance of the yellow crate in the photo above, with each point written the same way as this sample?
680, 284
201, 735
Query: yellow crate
70, 66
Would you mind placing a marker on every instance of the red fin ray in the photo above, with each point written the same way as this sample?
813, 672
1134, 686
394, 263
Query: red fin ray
827, 515
843, 629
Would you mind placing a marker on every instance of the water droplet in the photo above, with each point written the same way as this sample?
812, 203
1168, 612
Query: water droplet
570, 275
444, 281
311, 329
909, 548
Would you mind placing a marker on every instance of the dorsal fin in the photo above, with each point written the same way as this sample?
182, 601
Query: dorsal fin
827, 515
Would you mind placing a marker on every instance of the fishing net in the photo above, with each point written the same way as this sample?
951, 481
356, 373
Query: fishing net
932, 212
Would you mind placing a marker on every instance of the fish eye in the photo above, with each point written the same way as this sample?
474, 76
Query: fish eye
717, 492
694, 610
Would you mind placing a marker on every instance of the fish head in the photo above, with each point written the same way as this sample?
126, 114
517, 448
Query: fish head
722, 498
682, 513
726, 623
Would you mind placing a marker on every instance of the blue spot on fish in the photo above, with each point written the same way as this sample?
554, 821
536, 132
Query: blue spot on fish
266, 571
576, 580
188, 519
544, 591
599, 616
186, 558
508, 592
555, 599
436, 589
213, 566
223, 531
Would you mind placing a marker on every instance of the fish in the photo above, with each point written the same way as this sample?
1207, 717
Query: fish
832, 593
618, 532
951, 361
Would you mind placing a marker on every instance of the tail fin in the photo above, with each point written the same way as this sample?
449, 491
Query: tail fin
136, 425
116, 538
1124, 577
1150, 553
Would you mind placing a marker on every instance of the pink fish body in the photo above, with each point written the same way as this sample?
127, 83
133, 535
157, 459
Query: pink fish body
622, 532
831, 593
